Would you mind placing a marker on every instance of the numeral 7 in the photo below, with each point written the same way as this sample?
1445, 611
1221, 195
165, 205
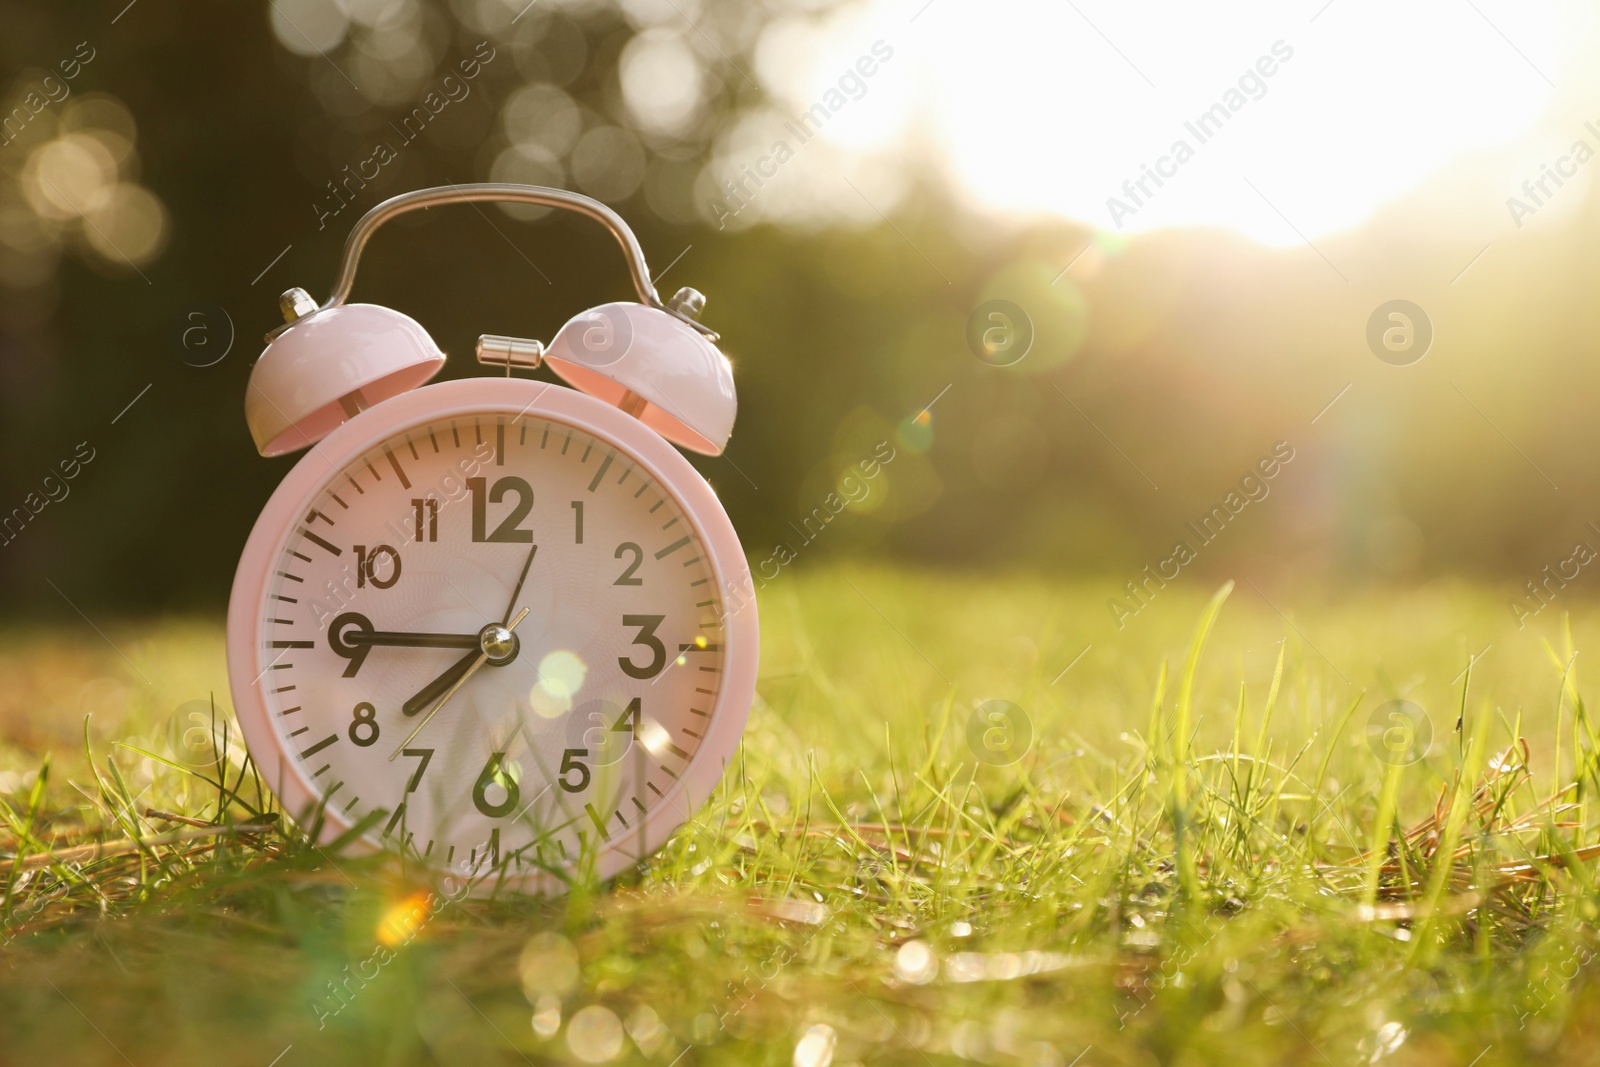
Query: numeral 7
424, 754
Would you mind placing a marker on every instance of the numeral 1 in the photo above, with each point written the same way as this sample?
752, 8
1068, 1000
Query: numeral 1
577, 506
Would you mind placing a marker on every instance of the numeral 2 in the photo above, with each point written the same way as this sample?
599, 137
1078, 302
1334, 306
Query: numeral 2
627, 578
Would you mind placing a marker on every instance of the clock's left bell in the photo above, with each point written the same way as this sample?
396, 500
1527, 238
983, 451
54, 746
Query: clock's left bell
327, 365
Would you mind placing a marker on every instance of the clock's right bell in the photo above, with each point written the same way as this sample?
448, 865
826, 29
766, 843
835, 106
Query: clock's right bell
654, 365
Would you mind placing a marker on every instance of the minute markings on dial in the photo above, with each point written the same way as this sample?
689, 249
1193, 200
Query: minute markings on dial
670, 549
319, 746
399, 472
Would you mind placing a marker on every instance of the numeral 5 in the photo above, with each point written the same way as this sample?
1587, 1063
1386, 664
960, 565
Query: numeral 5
569, 762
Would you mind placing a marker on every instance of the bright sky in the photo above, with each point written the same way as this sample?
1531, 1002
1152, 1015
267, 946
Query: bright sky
1049, 106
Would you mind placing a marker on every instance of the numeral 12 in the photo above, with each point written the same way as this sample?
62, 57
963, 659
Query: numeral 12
484, 494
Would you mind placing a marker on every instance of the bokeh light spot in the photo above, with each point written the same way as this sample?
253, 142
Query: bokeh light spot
608, 163
815, 1047
131, 227
401, 921
595, 1034
548, 966
309, 27
661, 81
561, 676
69, 176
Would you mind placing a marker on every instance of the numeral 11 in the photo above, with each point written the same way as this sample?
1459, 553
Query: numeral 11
426, 508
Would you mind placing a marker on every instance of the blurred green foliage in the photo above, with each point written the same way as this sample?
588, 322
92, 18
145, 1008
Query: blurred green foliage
1162, 368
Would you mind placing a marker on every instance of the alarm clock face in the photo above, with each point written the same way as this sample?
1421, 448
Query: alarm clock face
490, 622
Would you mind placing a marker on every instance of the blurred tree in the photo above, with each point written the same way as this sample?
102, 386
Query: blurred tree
166, 170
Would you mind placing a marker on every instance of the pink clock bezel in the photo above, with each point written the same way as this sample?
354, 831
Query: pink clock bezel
445, 400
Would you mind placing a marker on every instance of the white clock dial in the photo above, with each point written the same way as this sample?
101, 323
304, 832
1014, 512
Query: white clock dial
405, 566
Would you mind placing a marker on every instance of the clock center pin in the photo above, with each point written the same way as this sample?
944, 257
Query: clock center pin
499, 643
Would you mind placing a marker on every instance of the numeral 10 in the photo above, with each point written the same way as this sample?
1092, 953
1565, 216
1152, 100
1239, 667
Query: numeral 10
367, 566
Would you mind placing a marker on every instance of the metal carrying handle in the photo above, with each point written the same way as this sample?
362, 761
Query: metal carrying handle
502, 192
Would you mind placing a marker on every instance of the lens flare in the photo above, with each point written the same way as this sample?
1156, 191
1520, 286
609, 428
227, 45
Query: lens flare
402, 921
561, 676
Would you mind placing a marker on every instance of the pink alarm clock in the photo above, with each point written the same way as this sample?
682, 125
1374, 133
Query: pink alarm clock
499, 625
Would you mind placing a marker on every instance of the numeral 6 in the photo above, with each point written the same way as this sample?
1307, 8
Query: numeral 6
494, 775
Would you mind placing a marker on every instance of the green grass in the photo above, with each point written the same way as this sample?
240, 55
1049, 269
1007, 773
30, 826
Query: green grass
1199, 858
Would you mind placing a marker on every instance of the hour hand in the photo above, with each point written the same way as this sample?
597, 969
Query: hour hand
434, 689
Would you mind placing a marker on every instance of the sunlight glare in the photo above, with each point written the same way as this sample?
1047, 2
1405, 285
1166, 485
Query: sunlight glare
1325, 113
